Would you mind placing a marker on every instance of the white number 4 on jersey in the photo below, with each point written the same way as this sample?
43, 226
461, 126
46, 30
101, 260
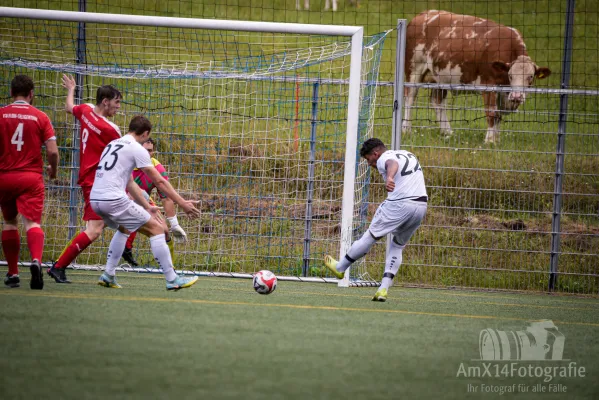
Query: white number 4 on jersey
17, 138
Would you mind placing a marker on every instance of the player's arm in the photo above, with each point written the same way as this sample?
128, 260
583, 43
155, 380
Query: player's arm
391, 166
69, 83
168, 204
136, 193
165, 187
169, 208
52, 157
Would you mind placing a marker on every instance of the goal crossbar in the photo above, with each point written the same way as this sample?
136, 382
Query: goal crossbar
175, 22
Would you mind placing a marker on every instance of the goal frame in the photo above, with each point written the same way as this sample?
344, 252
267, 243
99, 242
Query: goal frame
356, 33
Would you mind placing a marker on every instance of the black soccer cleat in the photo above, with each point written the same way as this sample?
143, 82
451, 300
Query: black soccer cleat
37, 276
12, 281
128, 256
58, 274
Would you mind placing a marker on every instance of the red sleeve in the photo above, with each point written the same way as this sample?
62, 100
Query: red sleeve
78, 110
47, 128
115, 134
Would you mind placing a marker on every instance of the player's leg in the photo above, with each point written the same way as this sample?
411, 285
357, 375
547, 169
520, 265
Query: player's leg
35, 242
155, 231
117, 245
358, 249
392, 263
169, 239
11, 243
94, 225
378, 228
128, 252
110, 212
30, 204
410, 216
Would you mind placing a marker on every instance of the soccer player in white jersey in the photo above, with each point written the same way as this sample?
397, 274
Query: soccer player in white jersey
400, 214
109, 200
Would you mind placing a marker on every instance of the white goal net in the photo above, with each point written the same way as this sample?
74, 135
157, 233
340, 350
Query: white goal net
253, 125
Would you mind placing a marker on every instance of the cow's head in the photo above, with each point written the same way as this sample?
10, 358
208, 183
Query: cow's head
521, 73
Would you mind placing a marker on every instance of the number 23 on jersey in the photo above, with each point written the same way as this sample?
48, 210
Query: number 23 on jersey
113, 157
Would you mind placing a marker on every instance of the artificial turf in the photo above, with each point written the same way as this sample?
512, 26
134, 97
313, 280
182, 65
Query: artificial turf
220, 339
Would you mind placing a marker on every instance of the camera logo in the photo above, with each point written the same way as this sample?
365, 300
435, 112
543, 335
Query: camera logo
540, 341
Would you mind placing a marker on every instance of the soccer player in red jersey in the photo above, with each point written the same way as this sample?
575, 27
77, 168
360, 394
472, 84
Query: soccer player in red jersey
23, 131
96, 132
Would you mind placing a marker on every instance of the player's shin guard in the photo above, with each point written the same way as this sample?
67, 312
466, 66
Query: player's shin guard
357, 250
79, 243
392, 263
35, 242
115, 250
163, 256
11, 244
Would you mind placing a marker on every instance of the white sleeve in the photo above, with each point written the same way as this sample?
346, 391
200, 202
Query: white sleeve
381, 163
142, 158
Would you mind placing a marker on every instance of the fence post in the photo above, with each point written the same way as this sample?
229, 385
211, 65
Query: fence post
80, 59
561, 146
398, 84
398, 89
310, 195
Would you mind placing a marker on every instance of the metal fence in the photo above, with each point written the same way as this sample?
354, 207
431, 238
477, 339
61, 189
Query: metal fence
518, 214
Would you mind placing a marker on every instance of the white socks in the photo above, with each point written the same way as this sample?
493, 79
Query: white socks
162, 256
115, 251
357, 250
392, 264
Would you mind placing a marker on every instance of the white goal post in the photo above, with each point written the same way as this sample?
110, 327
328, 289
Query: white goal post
354, 80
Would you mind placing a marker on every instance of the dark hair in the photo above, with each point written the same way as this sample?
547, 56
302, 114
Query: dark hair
151, 141
21, 85
107, 92
370, 145
140, 124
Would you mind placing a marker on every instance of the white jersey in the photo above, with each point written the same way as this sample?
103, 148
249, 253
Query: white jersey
409, 180
117, 162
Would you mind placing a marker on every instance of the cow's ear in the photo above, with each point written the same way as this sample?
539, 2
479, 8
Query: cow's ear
542, 72
500, 66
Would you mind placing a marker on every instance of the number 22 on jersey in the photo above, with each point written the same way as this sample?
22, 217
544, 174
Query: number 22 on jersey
407, 168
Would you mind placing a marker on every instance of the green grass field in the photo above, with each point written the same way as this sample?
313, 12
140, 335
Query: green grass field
219, 339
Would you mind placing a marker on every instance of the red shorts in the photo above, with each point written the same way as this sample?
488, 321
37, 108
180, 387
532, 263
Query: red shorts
22, 193
88, 213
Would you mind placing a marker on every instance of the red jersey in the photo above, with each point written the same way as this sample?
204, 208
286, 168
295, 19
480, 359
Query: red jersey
23, 131
96, 133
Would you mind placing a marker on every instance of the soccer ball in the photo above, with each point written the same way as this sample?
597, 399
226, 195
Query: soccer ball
265, 282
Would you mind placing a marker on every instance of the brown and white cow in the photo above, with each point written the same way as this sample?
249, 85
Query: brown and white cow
451, 48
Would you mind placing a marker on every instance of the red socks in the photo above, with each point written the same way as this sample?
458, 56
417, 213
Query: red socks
77, 245
130, 239
11, 244
35, 242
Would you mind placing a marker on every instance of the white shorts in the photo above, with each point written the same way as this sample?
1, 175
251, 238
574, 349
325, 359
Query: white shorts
401, 218
122, 212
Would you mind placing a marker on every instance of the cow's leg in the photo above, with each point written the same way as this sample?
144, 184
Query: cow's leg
334, 5
327, 4
439, 103
410, 94
493, 117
